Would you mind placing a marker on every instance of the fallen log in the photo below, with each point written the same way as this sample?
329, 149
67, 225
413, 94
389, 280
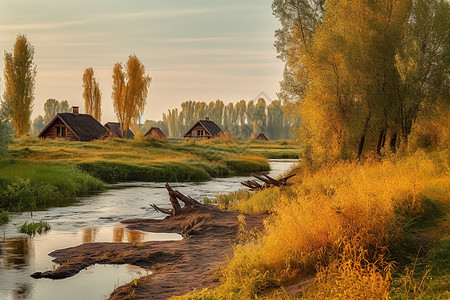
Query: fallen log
262, 178
252, 185
175, 197
284, 179
268, 182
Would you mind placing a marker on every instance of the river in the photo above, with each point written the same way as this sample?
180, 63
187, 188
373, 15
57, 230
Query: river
94, 219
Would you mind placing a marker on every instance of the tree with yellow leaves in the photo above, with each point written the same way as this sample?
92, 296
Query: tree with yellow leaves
129, 92
20, 72
91, 94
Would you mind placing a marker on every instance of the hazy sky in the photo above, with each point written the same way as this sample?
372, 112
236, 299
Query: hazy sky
199, 50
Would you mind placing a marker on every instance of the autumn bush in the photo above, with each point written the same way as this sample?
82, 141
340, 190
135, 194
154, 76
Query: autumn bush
431, 130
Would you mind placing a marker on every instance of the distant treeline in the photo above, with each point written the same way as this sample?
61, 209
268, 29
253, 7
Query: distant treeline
242, 119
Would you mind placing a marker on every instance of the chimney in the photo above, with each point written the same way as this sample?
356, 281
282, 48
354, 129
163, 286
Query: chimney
75, 110
206, 118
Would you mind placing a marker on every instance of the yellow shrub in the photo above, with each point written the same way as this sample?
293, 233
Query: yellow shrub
351, 276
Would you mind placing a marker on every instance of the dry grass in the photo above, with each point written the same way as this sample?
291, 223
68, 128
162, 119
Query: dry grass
342, 217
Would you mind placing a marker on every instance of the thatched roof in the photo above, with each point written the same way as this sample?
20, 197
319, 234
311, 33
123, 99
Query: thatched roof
155, 132
84, 126
209, 126
115, 126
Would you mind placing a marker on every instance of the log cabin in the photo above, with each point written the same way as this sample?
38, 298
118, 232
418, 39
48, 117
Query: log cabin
261, 137
204, 129
114, 130
155, 133
74, 127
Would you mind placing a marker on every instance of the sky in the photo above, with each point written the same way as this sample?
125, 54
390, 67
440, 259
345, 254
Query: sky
198, 50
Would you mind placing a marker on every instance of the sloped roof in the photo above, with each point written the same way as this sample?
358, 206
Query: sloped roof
116, 127
156, 131
209, 126
84, 126
262, 137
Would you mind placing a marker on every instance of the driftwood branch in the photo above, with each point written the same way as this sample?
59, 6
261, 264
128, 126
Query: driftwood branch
175, 197
265, 180
268, 182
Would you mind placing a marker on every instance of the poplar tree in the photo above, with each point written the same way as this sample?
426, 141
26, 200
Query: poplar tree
91, 94
20, 72
129, 91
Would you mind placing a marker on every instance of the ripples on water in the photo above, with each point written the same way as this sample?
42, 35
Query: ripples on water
94, 219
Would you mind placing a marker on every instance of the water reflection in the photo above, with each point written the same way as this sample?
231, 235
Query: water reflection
89, 235
118, 234
15, 253
22, 256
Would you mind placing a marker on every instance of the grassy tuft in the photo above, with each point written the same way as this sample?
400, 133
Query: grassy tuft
33, 228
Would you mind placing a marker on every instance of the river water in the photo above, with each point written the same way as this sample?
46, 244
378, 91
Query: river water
94, 219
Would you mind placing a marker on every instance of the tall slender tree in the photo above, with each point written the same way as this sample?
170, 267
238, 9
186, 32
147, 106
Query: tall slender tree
20, 72
91, 94
130, 91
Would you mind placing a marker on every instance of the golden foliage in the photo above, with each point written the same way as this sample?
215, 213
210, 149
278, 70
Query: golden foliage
20, 73
130, 91
91, 94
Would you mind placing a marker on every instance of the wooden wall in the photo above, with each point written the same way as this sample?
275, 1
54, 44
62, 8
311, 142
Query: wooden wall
51, 131
193, 132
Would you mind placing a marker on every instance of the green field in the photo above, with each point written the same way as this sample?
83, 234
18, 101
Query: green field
40, 173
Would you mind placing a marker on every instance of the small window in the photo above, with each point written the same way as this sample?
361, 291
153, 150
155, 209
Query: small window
60, 131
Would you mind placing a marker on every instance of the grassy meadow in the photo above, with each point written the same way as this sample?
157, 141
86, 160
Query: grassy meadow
41, 173
372, 229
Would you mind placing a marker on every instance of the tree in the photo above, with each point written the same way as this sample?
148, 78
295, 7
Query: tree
91, 94
38, 125
424, 61
52, 107
346, 68
299, 19
129, 91
20, 73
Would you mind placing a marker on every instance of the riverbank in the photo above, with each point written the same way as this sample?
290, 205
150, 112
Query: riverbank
38, 173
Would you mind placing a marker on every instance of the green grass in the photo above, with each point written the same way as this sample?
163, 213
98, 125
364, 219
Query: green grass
33, 228
422, 268
114, 160
4, 217
30, 185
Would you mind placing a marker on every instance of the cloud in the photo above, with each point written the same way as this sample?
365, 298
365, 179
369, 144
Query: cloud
155, 14
105, 17
40, 26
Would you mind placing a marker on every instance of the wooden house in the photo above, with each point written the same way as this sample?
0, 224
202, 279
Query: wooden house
261, 137
204, 129
155, 133
74, 127
114, 130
